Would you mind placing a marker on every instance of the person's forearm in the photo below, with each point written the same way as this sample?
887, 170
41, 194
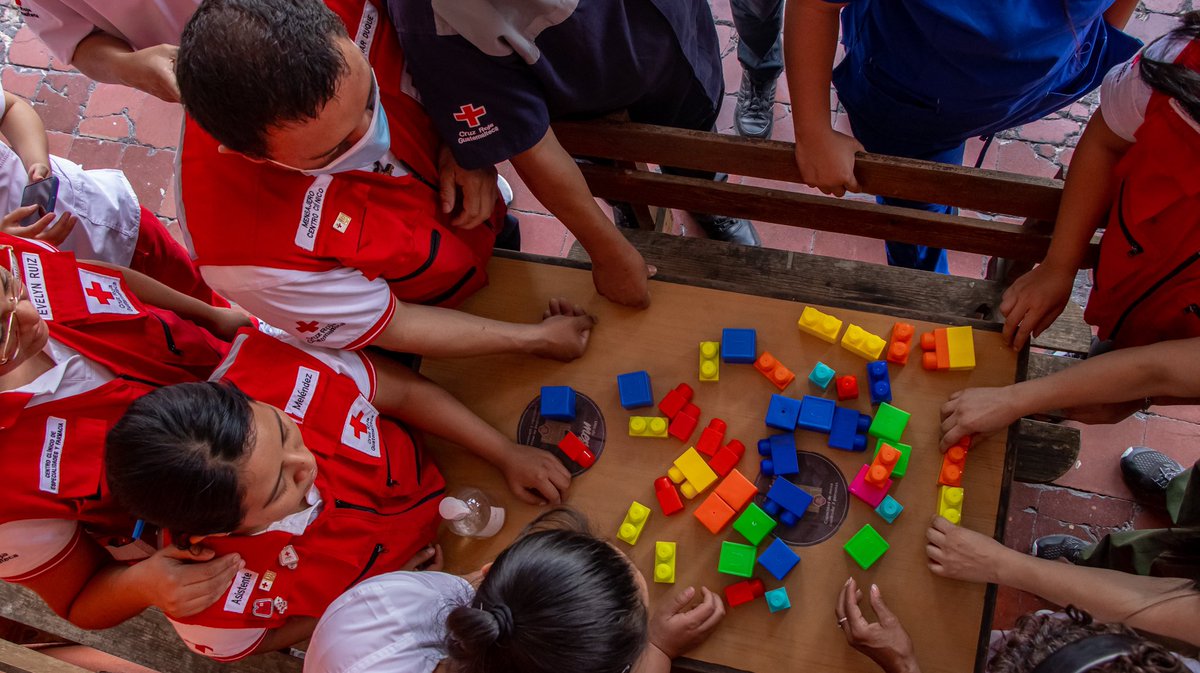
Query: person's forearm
809, 43
100, 56
653, 660
1118, 13
25, 132
295, 630
115, 593
446, 333
152, 292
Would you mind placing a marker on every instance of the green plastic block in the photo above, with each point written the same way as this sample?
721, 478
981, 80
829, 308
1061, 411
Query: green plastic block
866, 547
889, 423
902, 464
736, 559
754, 524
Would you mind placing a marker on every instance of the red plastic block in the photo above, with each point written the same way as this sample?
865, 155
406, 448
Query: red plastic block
712, 437
676, 400
953, 463
868, 493
576, 450
668, 497
901, 344
727, 457
736, 490
684, 423
714, 513
847, 388
743, 592
774, 370
880, 471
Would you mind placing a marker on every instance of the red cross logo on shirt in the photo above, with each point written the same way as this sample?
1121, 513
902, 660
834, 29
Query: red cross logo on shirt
305, 327
356, 423
470, 114
97, 292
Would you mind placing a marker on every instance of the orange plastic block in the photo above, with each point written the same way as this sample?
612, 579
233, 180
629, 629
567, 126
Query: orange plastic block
901, 343
736, 490
953, 463
714, 513
937, 350
881, 468
779, 375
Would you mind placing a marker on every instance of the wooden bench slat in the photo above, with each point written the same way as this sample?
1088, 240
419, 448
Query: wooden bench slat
1045, 451
18, 659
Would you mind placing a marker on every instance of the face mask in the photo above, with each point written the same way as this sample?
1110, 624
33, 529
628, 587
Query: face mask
374, 144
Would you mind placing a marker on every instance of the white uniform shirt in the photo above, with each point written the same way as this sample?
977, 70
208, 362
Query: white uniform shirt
62, 24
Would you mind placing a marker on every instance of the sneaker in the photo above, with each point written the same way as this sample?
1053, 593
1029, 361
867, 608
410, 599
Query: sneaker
506, 190
754, 115
729, 229
1147, 473
1051, 547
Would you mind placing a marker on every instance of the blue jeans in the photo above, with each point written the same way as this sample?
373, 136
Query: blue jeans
760, 48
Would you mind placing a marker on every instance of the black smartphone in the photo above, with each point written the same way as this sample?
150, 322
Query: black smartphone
44, 194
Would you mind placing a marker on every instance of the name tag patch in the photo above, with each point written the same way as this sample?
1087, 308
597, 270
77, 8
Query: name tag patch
52, 446
302, 392
310, 212
239, 593
35, 283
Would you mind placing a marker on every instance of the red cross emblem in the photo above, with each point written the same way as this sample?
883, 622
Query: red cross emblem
305, 327
470, 114
356, 424
97, 292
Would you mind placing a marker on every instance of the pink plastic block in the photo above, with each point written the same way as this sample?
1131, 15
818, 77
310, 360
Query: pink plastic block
872, 495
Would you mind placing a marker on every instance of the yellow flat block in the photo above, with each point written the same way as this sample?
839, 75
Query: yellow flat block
647, 426
821, 325
664, 562
961, 344
635, 521
950, 503
710, 359
692, 472
862, 343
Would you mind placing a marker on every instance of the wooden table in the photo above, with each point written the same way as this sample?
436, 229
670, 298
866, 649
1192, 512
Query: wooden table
948, 620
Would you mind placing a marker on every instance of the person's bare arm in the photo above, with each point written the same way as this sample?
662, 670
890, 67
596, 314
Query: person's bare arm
27, 135
109, 59
295, 630
223, 322
1118, 13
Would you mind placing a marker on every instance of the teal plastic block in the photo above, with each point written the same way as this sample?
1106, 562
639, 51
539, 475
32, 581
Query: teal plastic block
889, 509
866, 547
821, 375
902, 464
777, 599
736, 559
889, 423
754, 524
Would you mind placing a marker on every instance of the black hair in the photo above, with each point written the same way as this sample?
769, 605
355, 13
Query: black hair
1175, 79
1037, 636
173, 457
559, 599
247, 66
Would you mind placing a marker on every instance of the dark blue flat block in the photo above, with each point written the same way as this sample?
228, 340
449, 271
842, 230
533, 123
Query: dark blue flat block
816, 413
635, 391
782, 413
739, 346
558, 403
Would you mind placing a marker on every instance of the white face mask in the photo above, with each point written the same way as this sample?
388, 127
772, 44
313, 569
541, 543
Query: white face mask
374, 144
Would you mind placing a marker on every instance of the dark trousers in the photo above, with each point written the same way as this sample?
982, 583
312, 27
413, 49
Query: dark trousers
760, 47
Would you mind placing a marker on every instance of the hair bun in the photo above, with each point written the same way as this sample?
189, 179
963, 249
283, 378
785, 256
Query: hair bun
504, 621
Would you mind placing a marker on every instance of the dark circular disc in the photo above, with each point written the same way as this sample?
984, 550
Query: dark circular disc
545, 433
831, 500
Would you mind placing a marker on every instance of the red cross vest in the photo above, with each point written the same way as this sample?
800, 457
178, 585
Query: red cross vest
380, 493
239, 212
1147, 286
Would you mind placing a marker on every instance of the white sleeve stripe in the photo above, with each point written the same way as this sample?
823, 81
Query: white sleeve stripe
243, 654
52, 563
373, 333
371, 376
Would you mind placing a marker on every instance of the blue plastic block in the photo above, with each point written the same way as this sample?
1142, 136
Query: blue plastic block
782, 413
635, 391
779, 559
786, 501
889, 509
821, 375
878, 382
816, 413
777, 599
849, 432
739, 345
779, 452
558, 403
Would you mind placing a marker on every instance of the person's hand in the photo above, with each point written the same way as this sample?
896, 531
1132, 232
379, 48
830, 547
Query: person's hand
826, 161
38, 171
42, 229
184, 582
620, 276
427, 558
535, 476
478, 188
977, 411
564, 331
152, 70
676, 629
885, 641
1034, 301
224, 323
962, 554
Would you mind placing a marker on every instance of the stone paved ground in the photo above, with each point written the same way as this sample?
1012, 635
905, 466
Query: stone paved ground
104, 126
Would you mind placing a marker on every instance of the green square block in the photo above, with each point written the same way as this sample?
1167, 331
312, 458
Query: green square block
889, 423
866, 547
902, 464
754, 524
736, 559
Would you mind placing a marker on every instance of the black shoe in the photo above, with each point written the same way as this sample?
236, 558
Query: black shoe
729, 229
1052, 547
509, 237
1147, 473
754, 115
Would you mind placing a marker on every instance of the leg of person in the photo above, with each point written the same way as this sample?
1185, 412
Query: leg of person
926, 258
1161, 552
760, 51
158, 255
1157, 480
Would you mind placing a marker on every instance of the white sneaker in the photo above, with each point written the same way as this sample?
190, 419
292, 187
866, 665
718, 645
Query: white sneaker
505, 190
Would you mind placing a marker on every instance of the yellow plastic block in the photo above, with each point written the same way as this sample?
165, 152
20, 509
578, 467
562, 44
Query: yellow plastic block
961, 344
635, 521
647, 426
950, 502
862, 343
692, 473
664, 562
821, 325
710, 357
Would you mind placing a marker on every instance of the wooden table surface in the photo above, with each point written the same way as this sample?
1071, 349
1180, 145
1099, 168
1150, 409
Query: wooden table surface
945, 618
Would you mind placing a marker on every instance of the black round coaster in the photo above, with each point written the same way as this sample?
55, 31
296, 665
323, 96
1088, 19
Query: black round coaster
545, 433
831, 500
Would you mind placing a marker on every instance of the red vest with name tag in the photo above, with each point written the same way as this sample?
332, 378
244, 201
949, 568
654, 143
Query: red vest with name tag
380, 493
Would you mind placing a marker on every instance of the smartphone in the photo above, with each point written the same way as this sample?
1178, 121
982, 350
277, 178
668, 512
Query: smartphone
44, 194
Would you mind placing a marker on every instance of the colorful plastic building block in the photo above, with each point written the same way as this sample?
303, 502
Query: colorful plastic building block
954, 462
889, 509
743, 592
727, 457
710, 363
816, 414
714, 513
862, 343
676, 400
889, 423
868, 493
821, 375
780, 376
558, 403
960, 341
777, 599
786, 501
576, 450
880, 470
711, 438
634, 389
647, 426
879, 384
779, 455
937, 350
866, 547
782, 413
635, 521
779, 559
739, 346
849, 431
905, 450
668, 497
950, 503
692, 473
684, 423
754, 524
901, 343
847, 388
821, 325
736, 559
736, 490
664, 562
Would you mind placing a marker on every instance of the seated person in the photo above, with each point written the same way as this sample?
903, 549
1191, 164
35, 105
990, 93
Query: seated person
558, 599
304, 479
313, 201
